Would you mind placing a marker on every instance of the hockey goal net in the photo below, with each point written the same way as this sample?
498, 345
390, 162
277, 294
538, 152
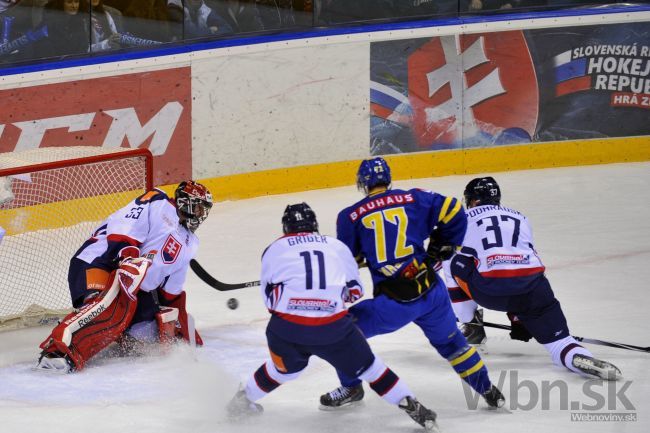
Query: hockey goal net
51, 200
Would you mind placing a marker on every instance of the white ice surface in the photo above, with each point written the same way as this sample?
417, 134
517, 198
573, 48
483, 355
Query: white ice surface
592, 229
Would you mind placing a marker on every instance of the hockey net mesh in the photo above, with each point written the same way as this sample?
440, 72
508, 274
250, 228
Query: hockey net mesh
48, 214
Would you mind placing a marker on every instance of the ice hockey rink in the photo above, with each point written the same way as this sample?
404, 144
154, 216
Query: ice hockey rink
592, 230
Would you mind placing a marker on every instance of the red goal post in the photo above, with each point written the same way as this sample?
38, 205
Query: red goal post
51, 200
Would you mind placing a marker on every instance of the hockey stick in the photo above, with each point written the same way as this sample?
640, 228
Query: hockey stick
581, 339
224, 287
216, 284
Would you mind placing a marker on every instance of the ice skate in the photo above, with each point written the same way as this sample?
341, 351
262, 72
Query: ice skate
474, 332
494, 398
420, 414
342, 397
596, 367
240, 406
54, 362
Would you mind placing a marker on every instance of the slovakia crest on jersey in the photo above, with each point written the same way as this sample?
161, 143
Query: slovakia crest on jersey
171, 250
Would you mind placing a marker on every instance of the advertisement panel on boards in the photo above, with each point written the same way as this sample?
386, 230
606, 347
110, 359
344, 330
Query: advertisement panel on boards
487, 89
147, 109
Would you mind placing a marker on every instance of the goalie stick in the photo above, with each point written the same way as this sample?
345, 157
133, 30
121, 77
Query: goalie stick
581, 339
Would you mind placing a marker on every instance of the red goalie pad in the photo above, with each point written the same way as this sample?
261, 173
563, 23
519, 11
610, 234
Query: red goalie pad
183, 326
83, 334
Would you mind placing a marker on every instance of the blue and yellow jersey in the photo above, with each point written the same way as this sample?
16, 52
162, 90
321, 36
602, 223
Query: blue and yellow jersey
390, 228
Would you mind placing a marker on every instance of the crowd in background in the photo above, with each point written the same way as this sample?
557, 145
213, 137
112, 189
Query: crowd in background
35, 29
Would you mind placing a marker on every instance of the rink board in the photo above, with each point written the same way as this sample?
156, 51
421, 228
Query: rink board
266, 115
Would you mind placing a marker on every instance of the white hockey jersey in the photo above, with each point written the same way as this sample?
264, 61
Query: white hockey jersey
2, 234
305, 277
149, 222
502, 240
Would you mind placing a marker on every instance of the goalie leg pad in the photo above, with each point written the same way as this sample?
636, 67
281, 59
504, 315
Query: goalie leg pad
166, 319
183, 323
83, 334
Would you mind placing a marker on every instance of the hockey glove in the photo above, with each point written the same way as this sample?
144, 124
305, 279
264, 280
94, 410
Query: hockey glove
518, 330
128, 252
439, 250
131, 273
462, 266
352, 292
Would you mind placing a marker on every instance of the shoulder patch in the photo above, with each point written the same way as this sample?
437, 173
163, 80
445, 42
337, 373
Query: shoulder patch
153, 195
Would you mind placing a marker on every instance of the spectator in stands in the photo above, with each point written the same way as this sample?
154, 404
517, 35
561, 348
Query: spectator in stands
419, 8
276, 14
573, 3
18, 35
198, 19
106, 26
67, 29
5, 5
241, 15
492, 5
150, 21
342, 11
303, 11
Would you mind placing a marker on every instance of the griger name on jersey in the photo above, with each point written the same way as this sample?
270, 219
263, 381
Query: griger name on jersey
476, 211
305, 239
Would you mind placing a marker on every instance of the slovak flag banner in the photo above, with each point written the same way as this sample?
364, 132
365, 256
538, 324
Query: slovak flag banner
171, 250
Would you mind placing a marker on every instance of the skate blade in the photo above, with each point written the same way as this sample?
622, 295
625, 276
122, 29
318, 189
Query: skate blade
344, 407
431, 426
49, 367
601, 369
499, 405
611, 374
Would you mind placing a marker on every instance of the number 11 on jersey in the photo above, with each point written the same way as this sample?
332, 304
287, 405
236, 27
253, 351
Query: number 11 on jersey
309, 274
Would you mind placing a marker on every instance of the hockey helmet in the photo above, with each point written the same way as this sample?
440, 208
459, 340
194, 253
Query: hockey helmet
373, 172
299, 218
485, 190
193, 204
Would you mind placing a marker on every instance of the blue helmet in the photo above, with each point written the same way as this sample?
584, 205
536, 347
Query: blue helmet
373, 172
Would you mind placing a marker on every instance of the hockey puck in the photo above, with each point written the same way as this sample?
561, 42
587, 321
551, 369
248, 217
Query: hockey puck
233, 303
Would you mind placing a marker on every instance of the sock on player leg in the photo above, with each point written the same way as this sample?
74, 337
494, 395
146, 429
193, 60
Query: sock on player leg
265, 380
562, 352
468, 364
385, 382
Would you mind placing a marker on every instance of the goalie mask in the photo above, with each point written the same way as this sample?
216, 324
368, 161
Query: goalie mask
193, 204
299, 218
